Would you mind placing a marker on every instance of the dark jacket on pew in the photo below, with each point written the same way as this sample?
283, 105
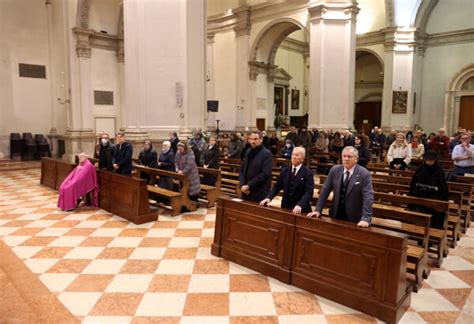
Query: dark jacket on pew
123, 157
429, 182
106, 156
166, 162
211, 159
300, 193
256, 172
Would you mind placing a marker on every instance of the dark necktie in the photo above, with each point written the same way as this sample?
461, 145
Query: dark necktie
294, 172
346, 179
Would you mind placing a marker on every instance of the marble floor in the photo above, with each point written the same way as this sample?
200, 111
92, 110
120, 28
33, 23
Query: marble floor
93, 267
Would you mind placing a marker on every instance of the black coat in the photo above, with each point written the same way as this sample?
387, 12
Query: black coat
106, 156
148, 158
174, 144
430, 182
123, 157
300, 193
256, 172
211, 157
364, 156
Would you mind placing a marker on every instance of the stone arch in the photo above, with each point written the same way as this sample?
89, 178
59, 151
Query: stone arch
453, 95
374, 53
268, 40
82, 18
423, 14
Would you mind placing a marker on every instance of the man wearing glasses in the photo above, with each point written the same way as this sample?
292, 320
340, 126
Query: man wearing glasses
352, 190
463, 156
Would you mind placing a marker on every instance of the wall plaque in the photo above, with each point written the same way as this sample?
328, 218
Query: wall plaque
103, 97
399, 102
32, 71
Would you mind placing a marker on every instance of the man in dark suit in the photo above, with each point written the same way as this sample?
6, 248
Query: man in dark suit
352, 189
123, 155
297, 182
256, 170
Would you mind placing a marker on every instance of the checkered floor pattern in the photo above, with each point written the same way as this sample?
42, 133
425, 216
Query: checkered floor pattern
104, 269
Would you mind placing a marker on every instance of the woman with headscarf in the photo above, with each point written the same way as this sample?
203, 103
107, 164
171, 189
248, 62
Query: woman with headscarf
429, 182
211, 161
166, 162
148, 158
287, 150
322, 143
185, 163
399, 153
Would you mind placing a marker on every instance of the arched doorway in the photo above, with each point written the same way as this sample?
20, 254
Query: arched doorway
278, 65
368, 91
459, 100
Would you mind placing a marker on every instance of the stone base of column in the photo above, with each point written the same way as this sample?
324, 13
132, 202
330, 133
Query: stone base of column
78, 141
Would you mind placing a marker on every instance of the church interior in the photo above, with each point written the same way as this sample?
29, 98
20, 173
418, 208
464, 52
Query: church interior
73, 70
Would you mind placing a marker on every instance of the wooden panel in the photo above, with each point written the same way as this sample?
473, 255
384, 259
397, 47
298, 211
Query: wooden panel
369, 112
48, 172
466, 112
360, 268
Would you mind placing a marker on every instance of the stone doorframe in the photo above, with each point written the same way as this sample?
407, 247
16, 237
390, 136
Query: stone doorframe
453, 96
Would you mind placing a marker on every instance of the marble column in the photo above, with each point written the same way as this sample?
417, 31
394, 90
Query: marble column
332, 60
165, 66
399, 72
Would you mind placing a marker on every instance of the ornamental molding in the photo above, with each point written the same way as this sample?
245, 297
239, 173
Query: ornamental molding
89, 38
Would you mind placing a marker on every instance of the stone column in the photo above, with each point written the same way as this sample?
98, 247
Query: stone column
332, 60
210, 80
246, 106
165, 67
399, 71
80, 135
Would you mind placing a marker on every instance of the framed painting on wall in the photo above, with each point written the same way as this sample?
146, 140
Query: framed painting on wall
295, 99
399, 102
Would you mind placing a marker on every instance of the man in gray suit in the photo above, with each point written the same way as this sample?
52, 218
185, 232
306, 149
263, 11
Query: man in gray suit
353, 195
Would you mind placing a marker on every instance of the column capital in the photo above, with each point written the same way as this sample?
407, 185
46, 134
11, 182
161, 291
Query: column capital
210, 37
404, 39
83, 51
333, 11
243, 24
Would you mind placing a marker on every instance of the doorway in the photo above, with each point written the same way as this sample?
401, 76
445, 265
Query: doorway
466, 112
261, 124
367, 115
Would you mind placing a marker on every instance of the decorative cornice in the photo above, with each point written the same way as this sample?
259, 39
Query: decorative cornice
294, 45
368, 84
371, 38
210, 37
333, 11
89, 38
243, 23
260, 12
458, 36
261, 67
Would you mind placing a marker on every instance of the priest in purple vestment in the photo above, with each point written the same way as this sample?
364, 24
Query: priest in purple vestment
81, 180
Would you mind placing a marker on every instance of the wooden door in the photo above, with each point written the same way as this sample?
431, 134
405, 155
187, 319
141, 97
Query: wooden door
466, 112
261, 124
367, 115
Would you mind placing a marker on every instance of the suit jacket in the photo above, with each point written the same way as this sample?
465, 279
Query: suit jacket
302, 190
211, 157
123, 157
256, 172
359, 193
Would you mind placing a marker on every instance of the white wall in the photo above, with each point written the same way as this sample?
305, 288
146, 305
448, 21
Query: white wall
451, 15
371, 16
293, 63
25, 102
104, 15
225, 78
439, 66
104, 77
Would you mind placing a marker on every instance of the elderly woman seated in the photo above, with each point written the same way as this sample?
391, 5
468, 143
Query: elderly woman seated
81, 180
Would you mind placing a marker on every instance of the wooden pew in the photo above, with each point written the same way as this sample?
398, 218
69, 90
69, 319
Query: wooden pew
126, 197
54, 171
360, 268
208, 192
407, 222
177, 200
